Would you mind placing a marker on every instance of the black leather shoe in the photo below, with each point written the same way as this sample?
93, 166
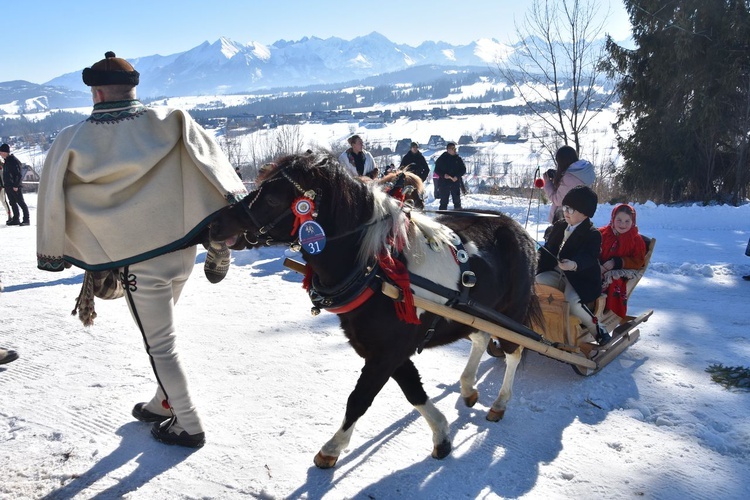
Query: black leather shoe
163, 433
603, 337
142, 414
7, 356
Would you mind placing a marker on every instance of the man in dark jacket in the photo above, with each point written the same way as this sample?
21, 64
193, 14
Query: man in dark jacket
414, 162
12, 179
450, 168
569, 260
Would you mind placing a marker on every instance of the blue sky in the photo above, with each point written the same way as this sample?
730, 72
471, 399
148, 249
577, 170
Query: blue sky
46, 38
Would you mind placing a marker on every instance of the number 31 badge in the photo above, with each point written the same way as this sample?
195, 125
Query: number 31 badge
312, 238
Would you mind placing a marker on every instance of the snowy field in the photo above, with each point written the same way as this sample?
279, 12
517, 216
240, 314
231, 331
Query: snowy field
271, 382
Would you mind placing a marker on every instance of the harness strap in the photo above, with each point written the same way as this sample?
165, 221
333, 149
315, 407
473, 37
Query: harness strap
358, 287
455, 299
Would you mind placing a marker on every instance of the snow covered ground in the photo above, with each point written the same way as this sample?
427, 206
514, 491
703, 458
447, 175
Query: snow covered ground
271, 382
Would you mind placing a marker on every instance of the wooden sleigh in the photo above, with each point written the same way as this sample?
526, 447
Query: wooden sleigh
566, 330
564, 338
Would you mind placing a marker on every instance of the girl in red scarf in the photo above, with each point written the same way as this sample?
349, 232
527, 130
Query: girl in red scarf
622, 248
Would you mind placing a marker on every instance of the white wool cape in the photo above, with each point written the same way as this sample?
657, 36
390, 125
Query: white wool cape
119, 192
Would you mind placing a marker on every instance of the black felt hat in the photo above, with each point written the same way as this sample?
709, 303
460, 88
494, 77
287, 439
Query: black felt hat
583, 199
111, 70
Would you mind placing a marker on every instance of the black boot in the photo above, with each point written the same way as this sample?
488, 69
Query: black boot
13, 222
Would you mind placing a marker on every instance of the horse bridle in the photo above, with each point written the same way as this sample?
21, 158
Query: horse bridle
263, 229
262, 232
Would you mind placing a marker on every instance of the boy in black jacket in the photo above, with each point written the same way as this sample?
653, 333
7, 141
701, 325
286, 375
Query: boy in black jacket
569, 260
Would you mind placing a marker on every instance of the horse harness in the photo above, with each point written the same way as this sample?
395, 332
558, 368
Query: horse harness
362, 284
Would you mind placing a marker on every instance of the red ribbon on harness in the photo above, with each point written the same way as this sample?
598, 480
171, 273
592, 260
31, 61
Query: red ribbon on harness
307, 280
302, 208
399, 275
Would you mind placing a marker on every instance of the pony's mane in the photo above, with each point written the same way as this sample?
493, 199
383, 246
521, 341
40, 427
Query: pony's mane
391, 231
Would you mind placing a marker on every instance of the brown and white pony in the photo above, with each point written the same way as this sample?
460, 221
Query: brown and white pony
370, 236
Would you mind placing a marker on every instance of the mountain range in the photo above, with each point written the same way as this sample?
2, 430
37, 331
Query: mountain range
229, 67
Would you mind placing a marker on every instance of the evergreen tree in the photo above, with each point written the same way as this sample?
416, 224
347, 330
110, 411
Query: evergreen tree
684, 122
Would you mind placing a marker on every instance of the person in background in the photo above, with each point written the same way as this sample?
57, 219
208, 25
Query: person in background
133, 189
570, 172
6, 356
569, 260
622, 248
414, 162
13, 181
450, 168
237, 171
2, 194
357, 160
747, 252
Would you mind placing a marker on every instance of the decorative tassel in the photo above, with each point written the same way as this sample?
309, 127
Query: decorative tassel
396, 271
85, 301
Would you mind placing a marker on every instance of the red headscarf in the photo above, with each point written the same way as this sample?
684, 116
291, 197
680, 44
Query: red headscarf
629, 246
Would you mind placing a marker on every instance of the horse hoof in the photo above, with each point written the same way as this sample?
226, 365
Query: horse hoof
471, 400
442, 450
325, 461
494, 415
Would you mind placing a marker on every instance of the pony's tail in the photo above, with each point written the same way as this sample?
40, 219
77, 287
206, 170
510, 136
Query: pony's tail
534, 314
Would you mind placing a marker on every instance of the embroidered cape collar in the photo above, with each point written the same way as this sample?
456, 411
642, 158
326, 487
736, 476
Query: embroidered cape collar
115, 111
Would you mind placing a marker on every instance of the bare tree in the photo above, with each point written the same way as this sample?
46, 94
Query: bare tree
288, 140
231, 144
555, 69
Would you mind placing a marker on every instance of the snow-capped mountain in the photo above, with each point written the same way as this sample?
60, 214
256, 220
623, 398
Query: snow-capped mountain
20, 96
226, 66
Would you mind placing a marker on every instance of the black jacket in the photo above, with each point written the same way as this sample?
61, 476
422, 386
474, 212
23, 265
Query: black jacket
419, 167
12, 172
583, 246
450, 164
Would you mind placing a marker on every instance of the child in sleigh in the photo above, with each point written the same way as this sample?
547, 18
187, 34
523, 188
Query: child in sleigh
569, 260
623, 255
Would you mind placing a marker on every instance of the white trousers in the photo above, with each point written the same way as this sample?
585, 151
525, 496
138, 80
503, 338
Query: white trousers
151, 299
558, 280
5, 202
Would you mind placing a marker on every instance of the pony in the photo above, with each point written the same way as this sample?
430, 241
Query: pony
413, 187
353, 236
